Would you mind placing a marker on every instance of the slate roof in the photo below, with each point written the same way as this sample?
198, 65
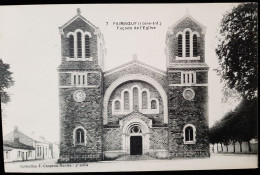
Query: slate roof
17, 145
77, 65
135, 62
7, 148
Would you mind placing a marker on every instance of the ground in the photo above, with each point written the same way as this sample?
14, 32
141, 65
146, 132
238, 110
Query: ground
216, 161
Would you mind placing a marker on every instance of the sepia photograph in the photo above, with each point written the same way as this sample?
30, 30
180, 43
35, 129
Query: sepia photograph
129, 87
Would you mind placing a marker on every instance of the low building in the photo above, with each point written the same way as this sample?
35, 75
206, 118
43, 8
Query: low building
16, 151
20, 147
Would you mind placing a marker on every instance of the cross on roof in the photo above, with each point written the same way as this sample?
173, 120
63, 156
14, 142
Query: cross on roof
78, 11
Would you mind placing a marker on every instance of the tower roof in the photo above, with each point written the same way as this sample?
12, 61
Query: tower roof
76, 17
187, 15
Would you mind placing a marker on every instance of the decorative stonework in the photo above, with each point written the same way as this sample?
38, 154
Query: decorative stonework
188, 94
131, 77
79, 95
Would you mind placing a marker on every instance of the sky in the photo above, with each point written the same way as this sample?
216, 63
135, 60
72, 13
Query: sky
30, 43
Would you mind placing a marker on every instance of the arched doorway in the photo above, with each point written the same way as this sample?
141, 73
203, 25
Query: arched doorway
135, 136
136, 140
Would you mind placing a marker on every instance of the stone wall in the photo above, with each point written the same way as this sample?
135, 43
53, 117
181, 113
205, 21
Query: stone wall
182, 112
201, 77
174, 77
87, 114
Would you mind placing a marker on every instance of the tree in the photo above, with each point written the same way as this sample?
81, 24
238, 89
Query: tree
237, 50
6, 81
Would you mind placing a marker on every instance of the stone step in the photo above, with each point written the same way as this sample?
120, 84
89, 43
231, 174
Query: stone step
135, 157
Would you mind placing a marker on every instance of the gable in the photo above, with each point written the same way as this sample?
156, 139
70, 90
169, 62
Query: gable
135, 67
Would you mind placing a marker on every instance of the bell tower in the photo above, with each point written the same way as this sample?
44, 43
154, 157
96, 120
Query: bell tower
80, 90
187, 75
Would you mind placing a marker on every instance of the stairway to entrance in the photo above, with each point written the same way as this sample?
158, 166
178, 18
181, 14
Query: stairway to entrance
135, 157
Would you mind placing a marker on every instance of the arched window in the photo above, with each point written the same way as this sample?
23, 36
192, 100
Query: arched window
80, 136
144, 100
126, 100
187, 43
71, 46
135, 98
180, 46
87, 46
153, 104
189, 134
195, 46
79, 45
117, 105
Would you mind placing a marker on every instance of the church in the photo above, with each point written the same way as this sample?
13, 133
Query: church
133, 109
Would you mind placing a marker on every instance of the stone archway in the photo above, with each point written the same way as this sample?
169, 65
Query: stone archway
135, 128
130, 77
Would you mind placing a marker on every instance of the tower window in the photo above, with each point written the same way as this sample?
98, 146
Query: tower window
87, 46
188, 77
180, 45
80, 137
71, 46
78, 79
187, 43
79, 45
75, 79
195, 46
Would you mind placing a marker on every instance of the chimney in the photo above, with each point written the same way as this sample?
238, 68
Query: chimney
16, 134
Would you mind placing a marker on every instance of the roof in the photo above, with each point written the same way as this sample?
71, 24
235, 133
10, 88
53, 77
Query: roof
190, 17
73, 19
135, 62
17, 145
7, 148
77, 65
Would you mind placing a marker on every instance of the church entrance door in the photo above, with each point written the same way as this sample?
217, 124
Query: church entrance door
136, 145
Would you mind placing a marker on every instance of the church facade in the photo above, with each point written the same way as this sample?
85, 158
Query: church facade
133, 109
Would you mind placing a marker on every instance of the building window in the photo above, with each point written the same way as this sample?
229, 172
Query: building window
180, 45
71, 46
144, 100
189, 134
153, 104
195, 45
126, 101
80, 136
6, 155
188, 77
87, 46
187, 43
79, 45
79, 79
117, 105
135, 98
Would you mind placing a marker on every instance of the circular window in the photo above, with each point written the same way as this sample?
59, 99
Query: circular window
136, 129
188, 94
79, 95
